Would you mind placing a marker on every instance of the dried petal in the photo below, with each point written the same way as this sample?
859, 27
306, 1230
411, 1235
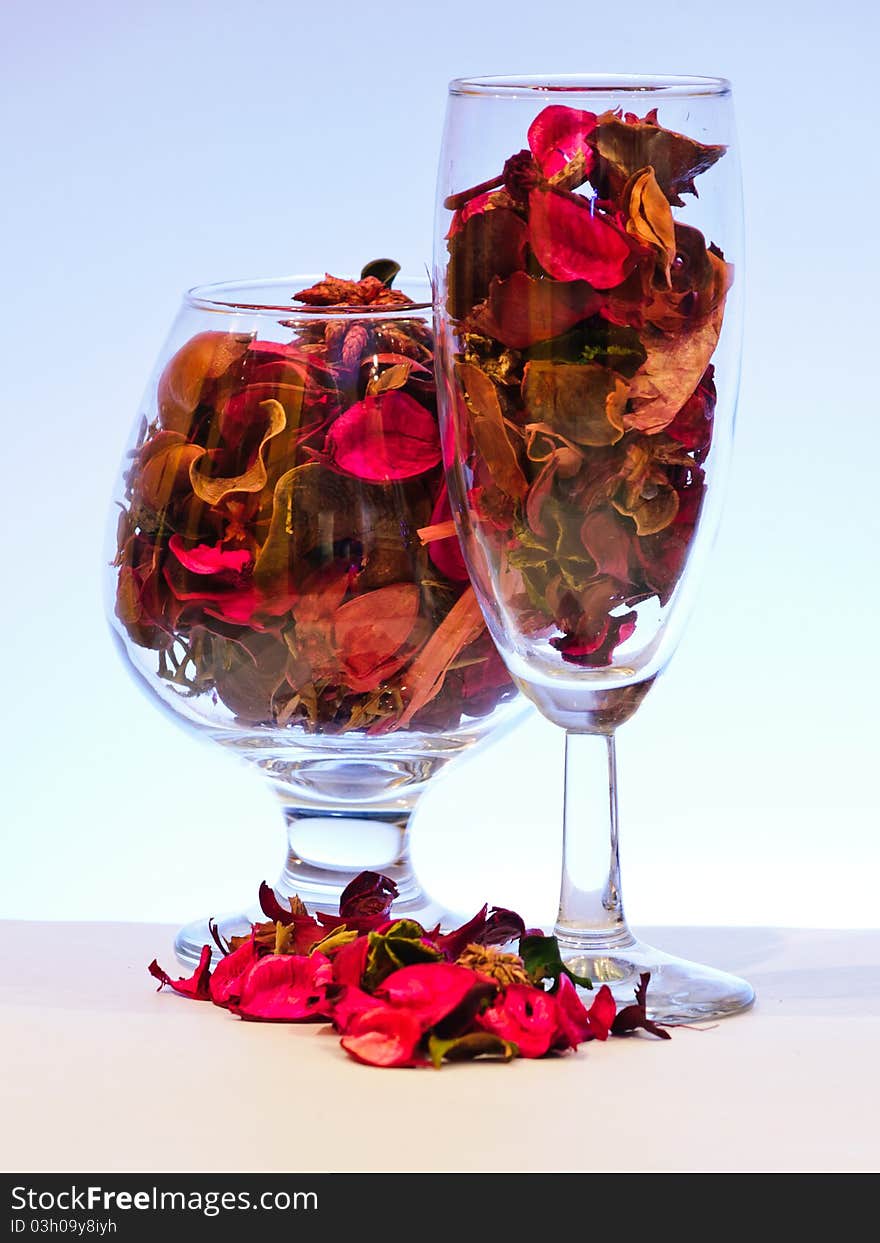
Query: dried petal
383, 1036
197, 986
649, 216
190, 375
670, 374
425, 676
624, 147
525, 1016
573, 241
350, 963
583, 402
576, 1023
285, 988
203, 559
163, 469
212, 489
383, 438
431, 992
558, 135
489, 244
368, 894
524, 309
273, 909
490, 431
469, 1047
370, 629
227, 977
631, 1018
483, 929
445, 553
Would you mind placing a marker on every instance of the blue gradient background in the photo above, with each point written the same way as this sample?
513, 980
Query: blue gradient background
147, 149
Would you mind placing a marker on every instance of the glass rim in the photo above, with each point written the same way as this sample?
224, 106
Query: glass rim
228, 297
521, 86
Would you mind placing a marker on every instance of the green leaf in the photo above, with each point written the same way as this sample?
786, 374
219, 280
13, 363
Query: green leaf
544, 962
384, 270
466, 1048
401, 946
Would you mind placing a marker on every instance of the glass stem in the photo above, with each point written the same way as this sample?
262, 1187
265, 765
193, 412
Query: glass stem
590, 904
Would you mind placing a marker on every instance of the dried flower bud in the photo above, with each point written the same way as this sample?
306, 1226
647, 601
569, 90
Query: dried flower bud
503, 968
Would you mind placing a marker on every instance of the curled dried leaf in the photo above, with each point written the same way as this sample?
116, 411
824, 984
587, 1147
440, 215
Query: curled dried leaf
649, 216
490, 431
213, 489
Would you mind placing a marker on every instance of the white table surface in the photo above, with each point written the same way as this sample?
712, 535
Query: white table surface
100, 1073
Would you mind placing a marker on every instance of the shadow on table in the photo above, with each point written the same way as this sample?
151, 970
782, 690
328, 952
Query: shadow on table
794, 972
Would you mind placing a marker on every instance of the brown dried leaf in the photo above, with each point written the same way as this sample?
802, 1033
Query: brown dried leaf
391, 378
490, 430
670, 374
583, 402
649, 216
676, 159
425, 676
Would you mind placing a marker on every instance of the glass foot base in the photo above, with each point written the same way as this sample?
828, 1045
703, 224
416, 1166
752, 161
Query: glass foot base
680, 991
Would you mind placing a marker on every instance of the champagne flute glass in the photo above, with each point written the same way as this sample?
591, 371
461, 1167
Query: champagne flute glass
285, 578
587, 313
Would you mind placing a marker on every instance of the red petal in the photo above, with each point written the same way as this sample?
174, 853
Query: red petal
230, 971
607, 538
574, 1021
524, 309
525, 1015
349, 962
383, 1036
204, 559
382, 438
558, 134
196, 986
602, 1012
285, 988
429, 991
484, 929
351, 1003
446, 553
571, 241
369, 893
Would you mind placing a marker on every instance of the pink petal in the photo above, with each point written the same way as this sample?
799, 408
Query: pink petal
526, 1016
196, 986
558, 134
349, 963
350, 1003
446, 553
524, 309
230, 971
285, 988
382, 438
573, 242
205, 559
601, 1013
429, 991
383, 1036
607, 538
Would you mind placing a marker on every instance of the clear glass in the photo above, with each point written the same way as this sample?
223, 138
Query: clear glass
588, 284
285, 576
